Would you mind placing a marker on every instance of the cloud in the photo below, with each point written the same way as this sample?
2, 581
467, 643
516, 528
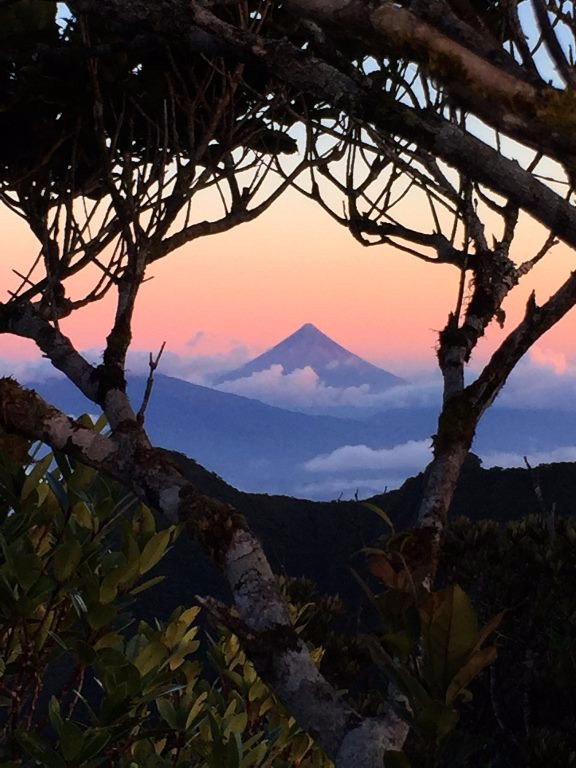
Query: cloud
406, 457
196, 339
302, 388
549, 357
198, 369
542, 380
509, 459
357, 471
38, 369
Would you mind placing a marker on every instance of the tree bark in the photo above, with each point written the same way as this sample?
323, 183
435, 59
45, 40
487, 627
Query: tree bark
263, 624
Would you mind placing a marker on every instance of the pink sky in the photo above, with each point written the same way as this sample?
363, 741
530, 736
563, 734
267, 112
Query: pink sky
259, 282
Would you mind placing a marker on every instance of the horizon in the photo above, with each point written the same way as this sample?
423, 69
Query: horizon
225, 291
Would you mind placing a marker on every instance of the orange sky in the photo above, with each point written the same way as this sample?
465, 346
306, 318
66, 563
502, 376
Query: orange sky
261, 281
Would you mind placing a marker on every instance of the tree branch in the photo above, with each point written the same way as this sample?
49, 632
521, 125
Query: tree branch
503, 100
280, 656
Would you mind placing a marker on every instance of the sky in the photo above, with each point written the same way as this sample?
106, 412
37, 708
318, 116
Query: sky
222, 300
225, 298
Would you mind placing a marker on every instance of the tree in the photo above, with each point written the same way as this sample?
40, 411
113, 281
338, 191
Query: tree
103, 169
85, 679
422, 91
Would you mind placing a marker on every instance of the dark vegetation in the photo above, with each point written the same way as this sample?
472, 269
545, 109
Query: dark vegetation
106, 662
320, 540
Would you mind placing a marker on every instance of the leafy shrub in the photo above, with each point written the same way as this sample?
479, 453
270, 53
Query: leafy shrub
81, 681
522, 714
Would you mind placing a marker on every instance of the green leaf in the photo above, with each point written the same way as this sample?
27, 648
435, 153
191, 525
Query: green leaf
71, 740
168, 713
300, 746
407, 683
35, 476
152, 655
39, 749
55, 715
178, 628
28, 569
147, 584
449, 633
436, 720
236, 724
380, 512
94, 743
195, 710
154, 550
478, 661
59, 490
66, 559
83, 515
99, 615
109, 586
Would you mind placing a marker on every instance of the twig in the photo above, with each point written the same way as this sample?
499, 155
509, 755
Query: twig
153, 364
547, 512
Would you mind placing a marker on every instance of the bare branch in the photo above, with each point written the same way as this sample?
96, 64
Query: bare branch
153, 365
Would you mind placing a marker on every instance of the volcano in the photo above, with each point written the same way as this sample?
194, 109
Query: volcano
334, 365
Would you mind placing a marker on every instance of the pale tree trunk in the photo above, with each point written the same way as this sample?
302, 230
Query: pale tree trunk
262, 621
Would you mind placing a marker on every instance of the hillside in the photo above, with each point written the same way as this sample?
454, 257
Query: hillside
321, 540
266, 449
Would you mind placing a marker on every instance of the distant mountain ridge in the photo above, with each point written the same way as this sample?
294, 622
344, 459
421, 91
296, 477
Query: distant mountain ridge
261, 448
309, 347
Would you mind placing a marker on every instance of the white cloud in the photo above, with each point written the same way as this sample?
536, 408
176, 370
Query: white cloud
406, 458
551, 358
536, 383
508, 459
544, 379
302, 388
198, 369
29, 370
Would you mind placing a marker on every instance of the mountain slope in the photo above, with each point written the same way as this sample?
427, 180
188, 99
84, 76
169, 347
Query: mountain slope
254, 446
308, 347
261, 448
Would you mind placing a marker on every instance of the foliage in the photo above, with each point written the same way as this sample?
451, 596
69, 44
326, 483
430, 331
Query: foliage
429, 644
522, 713
48, 70
83, 682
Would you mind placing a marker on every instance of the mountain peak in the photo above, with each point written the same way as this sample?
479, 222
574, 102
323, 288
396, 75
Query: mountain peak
308, 328
309, 347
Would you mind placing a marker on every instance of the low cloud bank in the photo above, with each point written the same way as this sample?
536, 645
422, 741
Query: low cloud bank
198, 369
406, 457
507, 459
28, 370
545, 379
303, 388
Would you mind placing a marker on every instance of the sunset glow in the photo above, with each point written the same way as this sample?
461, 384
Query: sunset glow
257, 283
